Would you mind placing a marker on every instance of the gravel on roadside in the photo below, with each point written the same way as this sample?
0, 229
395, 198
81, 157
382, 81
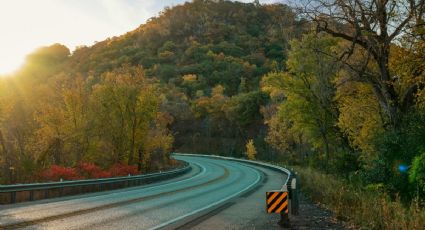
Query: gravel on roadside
312, 216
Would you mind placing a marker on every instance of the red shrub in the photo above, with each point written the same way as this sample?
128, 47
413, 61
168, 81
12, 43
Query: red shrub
89, 170
55, 173
86, 170
123, 170
102, 174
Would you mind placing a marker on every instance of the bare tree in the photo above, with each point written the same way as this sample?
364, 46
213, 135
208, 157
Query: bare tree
374, 26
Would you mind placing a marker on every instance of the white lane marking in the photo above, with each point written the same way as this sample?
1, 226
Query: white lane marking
203, 171
98, 198
208, 206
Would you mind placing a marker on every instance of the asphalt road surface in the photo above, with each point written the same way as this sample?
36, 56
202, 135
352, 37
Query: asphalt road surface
215, 194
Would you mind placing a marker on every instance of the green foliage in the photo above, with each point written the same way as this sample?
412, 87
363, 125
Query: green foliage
221, 41
417, 173
308, 113
398, 148
368, 208
244, 109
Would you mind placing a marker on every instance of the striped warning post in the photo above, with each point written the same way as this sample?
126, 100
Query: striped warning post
277, 202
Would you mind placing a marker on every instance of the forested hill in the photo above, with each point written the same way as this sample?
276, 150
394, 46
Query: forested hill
195, 48
221, 42
186, 80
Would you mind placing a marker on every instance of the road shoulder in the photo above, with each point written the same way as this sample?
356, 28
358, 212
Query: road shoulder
312, 216
248, 212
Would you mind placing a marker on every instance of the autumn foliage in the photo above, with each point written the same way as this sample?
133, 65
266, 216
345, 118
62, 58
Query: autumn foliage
85, 170
251, 152
56, 172
90, 170
123, 170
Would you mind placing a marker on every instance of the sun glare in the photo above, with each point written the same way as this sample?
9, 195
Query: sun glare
27, 25
10, 64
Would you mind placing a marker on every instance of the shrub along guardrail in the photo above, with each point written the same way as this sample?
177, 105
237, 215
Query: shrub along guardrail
10, 194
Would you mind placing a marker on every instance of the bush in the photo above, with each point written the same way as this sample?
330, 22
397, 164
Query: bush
368, 207
90, 170
345, 163
86, 170
123, 170
102, 174
56, 172
251, 152
417, 174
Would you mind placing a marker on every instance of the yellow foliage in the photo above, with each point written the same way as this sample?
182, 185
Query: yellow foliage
211, 105
361, 129
217, 91
189, 78
251, 152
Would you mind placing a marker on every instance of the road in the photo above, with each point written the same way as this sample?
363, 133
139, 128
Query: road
216, 194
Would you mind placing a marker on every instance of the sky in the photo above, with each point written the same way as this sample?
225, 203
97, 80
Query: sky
26, 25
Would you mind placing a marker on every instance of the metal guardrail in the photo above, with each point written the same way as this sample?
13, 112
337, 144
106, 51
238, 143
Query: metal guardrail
291, 183
257, 163
28, 192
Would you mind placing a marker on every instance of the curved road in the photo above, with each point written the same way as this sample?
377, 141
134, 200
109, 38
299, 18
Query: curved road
216, 194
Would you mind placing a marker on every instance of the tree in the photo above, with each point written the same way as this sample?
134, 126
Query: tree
124, 105
308, 110
3, 148
363, 129
251, 152
373, 26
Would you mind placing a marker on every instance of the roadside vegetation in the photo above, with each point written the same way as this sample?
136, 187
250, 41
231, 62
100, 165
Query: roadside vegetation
361, 207
349, 110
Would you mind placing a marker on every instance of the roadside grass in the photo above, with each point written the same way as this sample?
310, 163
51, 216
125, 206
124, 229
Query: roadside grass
363, 208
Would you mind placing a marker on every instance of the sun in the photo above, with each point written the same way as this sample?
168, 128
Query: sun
10, 64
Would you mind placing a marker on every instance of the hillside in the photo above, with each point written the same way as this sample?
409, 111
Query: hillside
186, 80
195, 47
189, 38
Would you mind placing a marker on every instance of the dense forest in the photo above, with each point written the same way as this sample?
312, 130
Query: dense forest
336, 87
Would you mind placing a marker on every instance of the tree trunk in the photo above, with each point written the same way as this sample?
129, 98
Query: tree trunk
3, 145
327, 151
6, 163
133, 142
388, 98
140, 160
56, 149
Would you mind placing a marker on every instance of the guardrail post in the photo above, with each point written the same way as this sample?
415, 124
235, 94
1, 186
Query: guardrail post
13, 197
295, 196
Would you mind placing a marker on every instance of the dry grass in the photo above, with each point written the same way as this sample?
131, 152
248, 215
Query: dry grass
362, 208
